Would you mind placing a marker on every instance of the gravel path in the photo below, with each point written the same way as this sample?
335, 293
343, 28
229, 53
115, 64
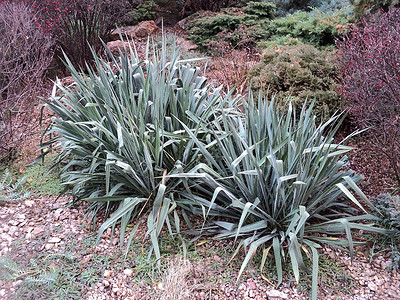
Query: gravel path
39, 227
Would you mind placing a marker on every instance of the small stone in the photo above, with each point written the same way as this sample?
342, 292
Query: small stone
49, 246
54, 240
383, 265
252, 285
20, 217
106, 283
128, 272
5, 236
217, 258
14, 222
275, 294
370, 273
37, 230
107, 273
29, 203
17, 283
372, 286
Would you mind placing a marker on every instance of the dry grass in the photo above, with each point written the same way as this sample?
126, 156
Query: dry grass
175, 280
232, 69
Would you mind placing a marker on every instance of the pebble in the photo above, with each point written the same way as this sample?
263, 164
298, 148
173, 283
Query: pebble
49, 246
275, 294
251, 285
37, 230
128, 272
372, 286
106, 283
217, 258
54, 240
29, 203
6, 236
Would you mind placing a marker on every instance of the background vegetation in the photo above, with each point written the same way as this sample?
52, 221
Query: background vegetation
300, 72
146, 139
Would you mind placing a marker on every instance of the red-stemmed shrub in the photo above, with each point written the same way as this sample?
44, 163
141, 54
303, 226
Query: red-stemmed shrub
76, 24
25, 54
369, 60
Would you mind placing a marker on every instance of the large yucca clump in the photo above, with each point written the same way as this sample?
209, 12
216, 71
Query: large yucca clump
142, 137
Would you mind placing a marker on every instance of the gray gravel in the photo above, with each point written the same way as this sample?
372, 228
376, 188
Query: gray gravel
24, 222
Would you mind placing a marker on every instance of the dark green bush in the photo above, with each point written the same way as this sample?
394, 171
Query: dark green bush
231, 28
302, 72
389, 208
330, 5
284, 7
260, 10
255, 23
143, 11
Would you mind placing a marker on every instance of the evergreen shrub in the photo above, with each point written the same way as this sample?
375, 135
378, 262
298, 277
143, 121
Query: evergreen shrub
142, 11
316, 28
364, 8
302, 72
230, 28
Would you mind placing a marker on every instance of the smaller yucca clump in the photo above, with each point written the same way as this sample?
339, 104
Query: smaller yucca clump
281, 184
389, 215
9, 191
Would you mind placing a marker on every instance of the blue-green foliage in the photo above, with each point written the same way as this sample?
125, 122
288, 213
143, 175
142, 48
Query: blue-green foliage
316, 28
331, 5
389, 208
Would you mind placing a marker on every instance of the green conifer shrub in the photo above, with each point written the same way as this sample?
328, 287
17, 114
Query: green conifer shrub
302, 72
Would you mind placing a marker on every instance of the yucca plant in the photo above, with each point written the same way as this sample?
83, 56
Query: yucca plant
120, 127
281, 183
12, 192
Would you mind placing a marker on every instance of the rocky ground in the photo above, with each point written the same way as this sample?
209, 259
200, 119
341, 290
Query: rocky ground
40, 239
